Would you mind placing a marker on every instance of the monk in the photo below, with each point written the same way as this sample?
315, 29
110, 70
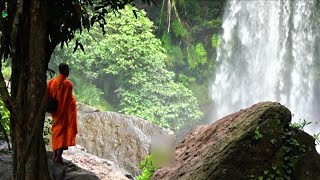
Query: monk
64, 128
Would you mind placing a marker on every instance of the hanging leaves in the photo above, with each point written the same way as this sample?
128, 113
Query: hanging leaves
64, 19
77, 45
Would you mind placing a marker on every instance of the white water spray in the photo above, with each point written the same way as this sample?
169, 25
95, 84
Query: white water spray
266, 53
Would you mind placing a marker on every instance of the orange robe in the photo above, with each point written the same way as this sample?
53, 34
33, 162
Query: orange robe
64, 128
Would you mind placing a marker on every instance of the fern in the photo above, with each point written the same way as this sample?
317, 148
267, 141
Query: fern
166, 41
178, 29
201, 53
214, 41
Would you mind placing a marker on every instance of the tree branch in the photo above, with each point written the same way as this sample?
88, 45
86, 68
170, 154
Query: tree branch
169, 14
15, 24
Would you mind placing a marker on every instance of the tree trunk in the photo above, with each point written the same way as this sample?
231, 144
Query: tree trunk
28, 91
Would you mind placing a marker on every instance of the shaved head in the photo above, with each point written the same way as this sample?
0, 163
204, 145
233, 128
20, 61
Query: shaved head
64, 69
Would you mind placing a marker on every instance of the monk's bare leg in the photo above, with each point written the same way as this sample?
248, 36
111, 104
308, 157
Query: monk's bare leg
59, 156
55, 154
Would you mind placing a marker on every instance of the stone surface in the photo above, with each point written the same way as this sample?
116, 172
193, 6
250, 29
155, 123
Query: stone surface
231, 148
125, 140
78, 165
5, 166
57, 171
84, 109
3, 145
102, 168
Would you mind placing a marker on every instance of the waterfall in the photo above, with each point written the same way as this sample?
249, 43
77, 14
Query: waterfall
267, 53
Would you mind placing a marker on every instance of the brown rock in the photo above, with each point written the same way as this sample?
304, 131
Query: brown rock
245, 145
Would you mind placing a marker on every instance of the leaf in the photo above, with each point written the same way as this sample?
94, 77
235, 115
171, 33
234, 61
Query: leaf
102, 28
81, 47
76, 46
135, 13
98, 7
93, 20
4, 14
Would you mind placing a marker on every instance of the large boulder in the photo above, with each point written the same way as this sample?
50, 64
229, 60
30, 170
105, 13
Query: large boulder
250, 144
125, 140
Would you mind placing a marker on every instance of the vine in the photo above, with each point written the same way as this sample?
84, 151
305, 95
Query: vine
291, 152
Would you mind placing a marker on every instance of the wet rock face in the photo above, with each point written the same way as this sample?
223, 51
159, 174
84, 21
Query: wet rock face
122, 139
245, 145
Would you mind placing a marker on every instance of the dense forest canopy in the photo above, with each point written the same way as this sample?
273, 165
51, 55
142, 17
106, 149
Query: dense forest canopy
150, 69
129, 62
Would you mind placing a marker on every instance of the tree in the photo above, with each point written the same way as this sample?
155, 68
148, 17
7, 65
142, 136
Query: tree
189, 31
130, 54
30, 31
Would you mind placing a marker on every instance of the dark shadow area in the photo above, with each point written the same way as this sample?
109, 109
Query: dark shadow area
57, 171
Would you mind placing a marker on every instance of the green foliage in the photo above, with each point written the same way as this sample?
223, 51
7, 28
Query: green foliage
89, 94
6, 70
214, 41
201, 92
4, 120
82, 74
257, 134
201, 53
196, 56
147, 168
273, 141
178, 29
303, 123
66, 18
192, 38
181, 2
316, 137
134, 59
166, 41
290, 153
4, 10
47, 130
300, 124
185, 80
175, 57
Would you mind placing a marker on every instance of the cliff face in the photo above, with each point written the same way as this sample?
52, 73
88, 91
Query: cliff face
252, 143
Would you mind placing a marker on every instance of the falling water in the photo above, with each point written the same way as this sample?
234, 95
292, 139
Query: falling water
266, 53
